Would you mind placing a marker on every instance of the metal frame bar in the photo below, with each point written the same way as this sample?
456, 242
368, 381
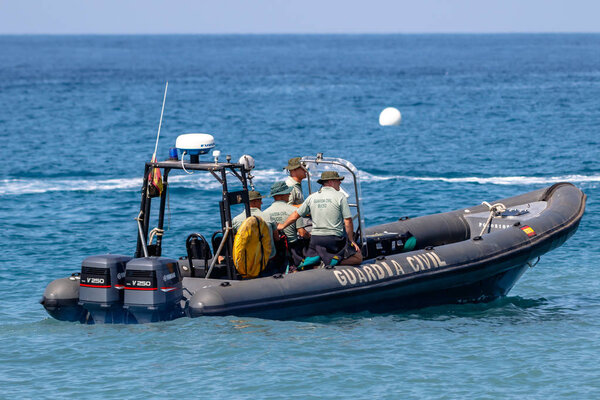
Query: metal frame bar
237, 170
141, 235
218, 252
161, 212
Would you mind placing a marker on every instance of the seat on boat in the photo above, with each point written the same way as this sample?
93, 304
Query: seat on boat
216, 239
197, 247
198, 257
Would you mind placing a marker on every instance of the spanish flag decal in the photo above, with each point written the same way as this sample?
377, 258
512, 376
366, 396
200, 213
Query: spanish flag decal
155, 186
528, 230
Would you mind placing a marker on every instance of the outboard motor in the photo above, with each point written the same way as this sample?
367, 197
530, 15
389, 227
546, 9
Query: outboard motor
100, 290
153, 290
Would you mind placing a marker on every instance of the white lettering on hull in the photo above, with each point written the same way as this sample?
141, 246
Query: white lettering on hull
495, 226
398, 268
350, 276
375, 272
369, 272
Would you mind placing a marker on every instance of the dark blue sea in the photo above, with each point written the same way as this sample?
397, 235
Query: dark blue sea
484, 117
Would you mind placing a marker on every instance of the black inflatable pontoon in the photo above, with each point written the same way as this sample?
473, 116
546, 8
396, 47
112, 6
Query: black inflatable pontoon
468, 255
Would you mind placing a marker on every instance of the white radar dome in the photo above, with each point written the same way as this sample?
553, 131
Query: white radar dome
247, 161
390, 116
195, 143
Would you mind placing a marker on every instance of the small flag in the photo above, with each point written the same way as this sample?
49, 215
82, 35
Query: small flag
155, 186
528, 230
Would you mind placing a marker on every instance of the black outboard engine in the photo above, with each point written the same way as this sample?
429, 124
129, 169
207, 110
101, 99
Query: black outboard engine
153, 290
101, 285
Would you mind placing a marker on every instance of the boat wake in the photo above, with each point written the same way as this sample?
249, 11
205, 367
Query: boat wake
494, 180
13, 187
193, 181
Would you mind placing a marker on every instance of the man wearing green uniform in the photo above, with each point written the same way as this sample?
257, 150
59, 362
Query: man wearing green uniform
255, 204
331, 217
278, 212
255, 200
297, 174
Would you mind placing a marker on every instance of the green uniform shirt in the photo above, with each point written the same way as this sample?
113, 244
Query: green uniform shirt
328, 208
296, 196
241, 217
278, 212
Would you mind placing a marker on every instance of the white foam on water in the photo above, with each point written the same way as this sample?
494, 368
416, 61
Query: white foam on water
197, 180
33, 186
263, 180
494, 180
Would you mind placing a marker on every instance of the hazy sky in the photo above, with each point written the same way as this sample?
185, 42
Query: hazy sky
291, 16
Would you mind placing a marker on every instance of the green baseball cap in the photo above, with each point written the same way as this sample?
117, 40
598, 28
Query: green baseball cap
254, 195
280, 188
330, 176
294, 163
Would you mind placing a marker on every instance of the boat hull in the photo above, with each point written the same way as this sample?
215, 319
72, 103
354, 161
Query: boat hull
459, 258
478, 269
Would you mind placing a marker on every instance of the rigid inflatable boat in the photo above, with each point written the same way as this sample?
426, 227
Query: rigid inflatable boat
474, 254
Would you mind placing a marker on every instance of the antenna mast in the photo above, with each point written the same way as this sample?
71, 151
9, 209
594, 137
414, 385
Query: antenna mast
160, 123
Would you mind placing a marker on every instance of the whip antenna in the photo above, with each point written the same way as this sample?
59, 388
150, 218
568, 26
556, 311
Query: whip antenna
160, 122
155, 184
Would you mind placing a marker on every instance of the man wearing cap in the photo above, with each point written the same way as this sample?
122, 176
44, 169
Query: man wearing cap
278, 212
255, 204
255, 200
331, 217
297, 174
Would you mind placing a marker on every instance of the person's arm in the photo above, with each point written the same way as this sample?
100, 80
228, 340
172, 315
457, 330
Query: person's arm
350, 232
300, 229
291, 219
300, 212
275, 235
347, 215
303, 233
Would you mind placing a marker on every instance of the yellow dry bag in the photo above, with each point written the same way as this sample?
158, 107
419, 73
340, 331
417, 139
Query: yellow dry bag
251, 247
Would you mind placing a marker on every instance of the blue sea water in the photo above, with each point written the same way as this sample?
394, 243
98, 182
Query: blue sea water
484, 117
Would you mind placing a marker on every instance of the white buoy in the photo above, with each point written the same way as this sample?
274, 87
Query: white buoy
390, 116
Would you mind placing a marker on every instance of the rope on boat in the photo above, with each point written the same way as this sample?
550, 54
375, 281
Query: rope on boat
155, 232
495, 209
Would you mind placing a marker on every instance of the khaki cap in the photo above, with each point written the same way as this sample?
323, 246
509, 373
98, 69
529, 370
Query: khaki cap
294, 163
330, 176
280, 188
254, 195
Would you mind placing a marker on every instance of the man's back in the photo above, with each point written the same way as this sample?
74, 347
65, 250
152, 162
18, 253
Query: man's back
278, 212
241, 217
328, 209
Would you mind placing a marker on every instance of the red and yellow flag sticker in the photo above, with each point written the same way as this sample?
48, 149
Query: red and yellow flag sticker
528, 230
155, 180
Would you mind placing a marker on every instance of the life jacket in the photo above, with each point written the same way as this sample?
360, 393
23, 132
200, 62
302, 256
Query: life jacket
251, 247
